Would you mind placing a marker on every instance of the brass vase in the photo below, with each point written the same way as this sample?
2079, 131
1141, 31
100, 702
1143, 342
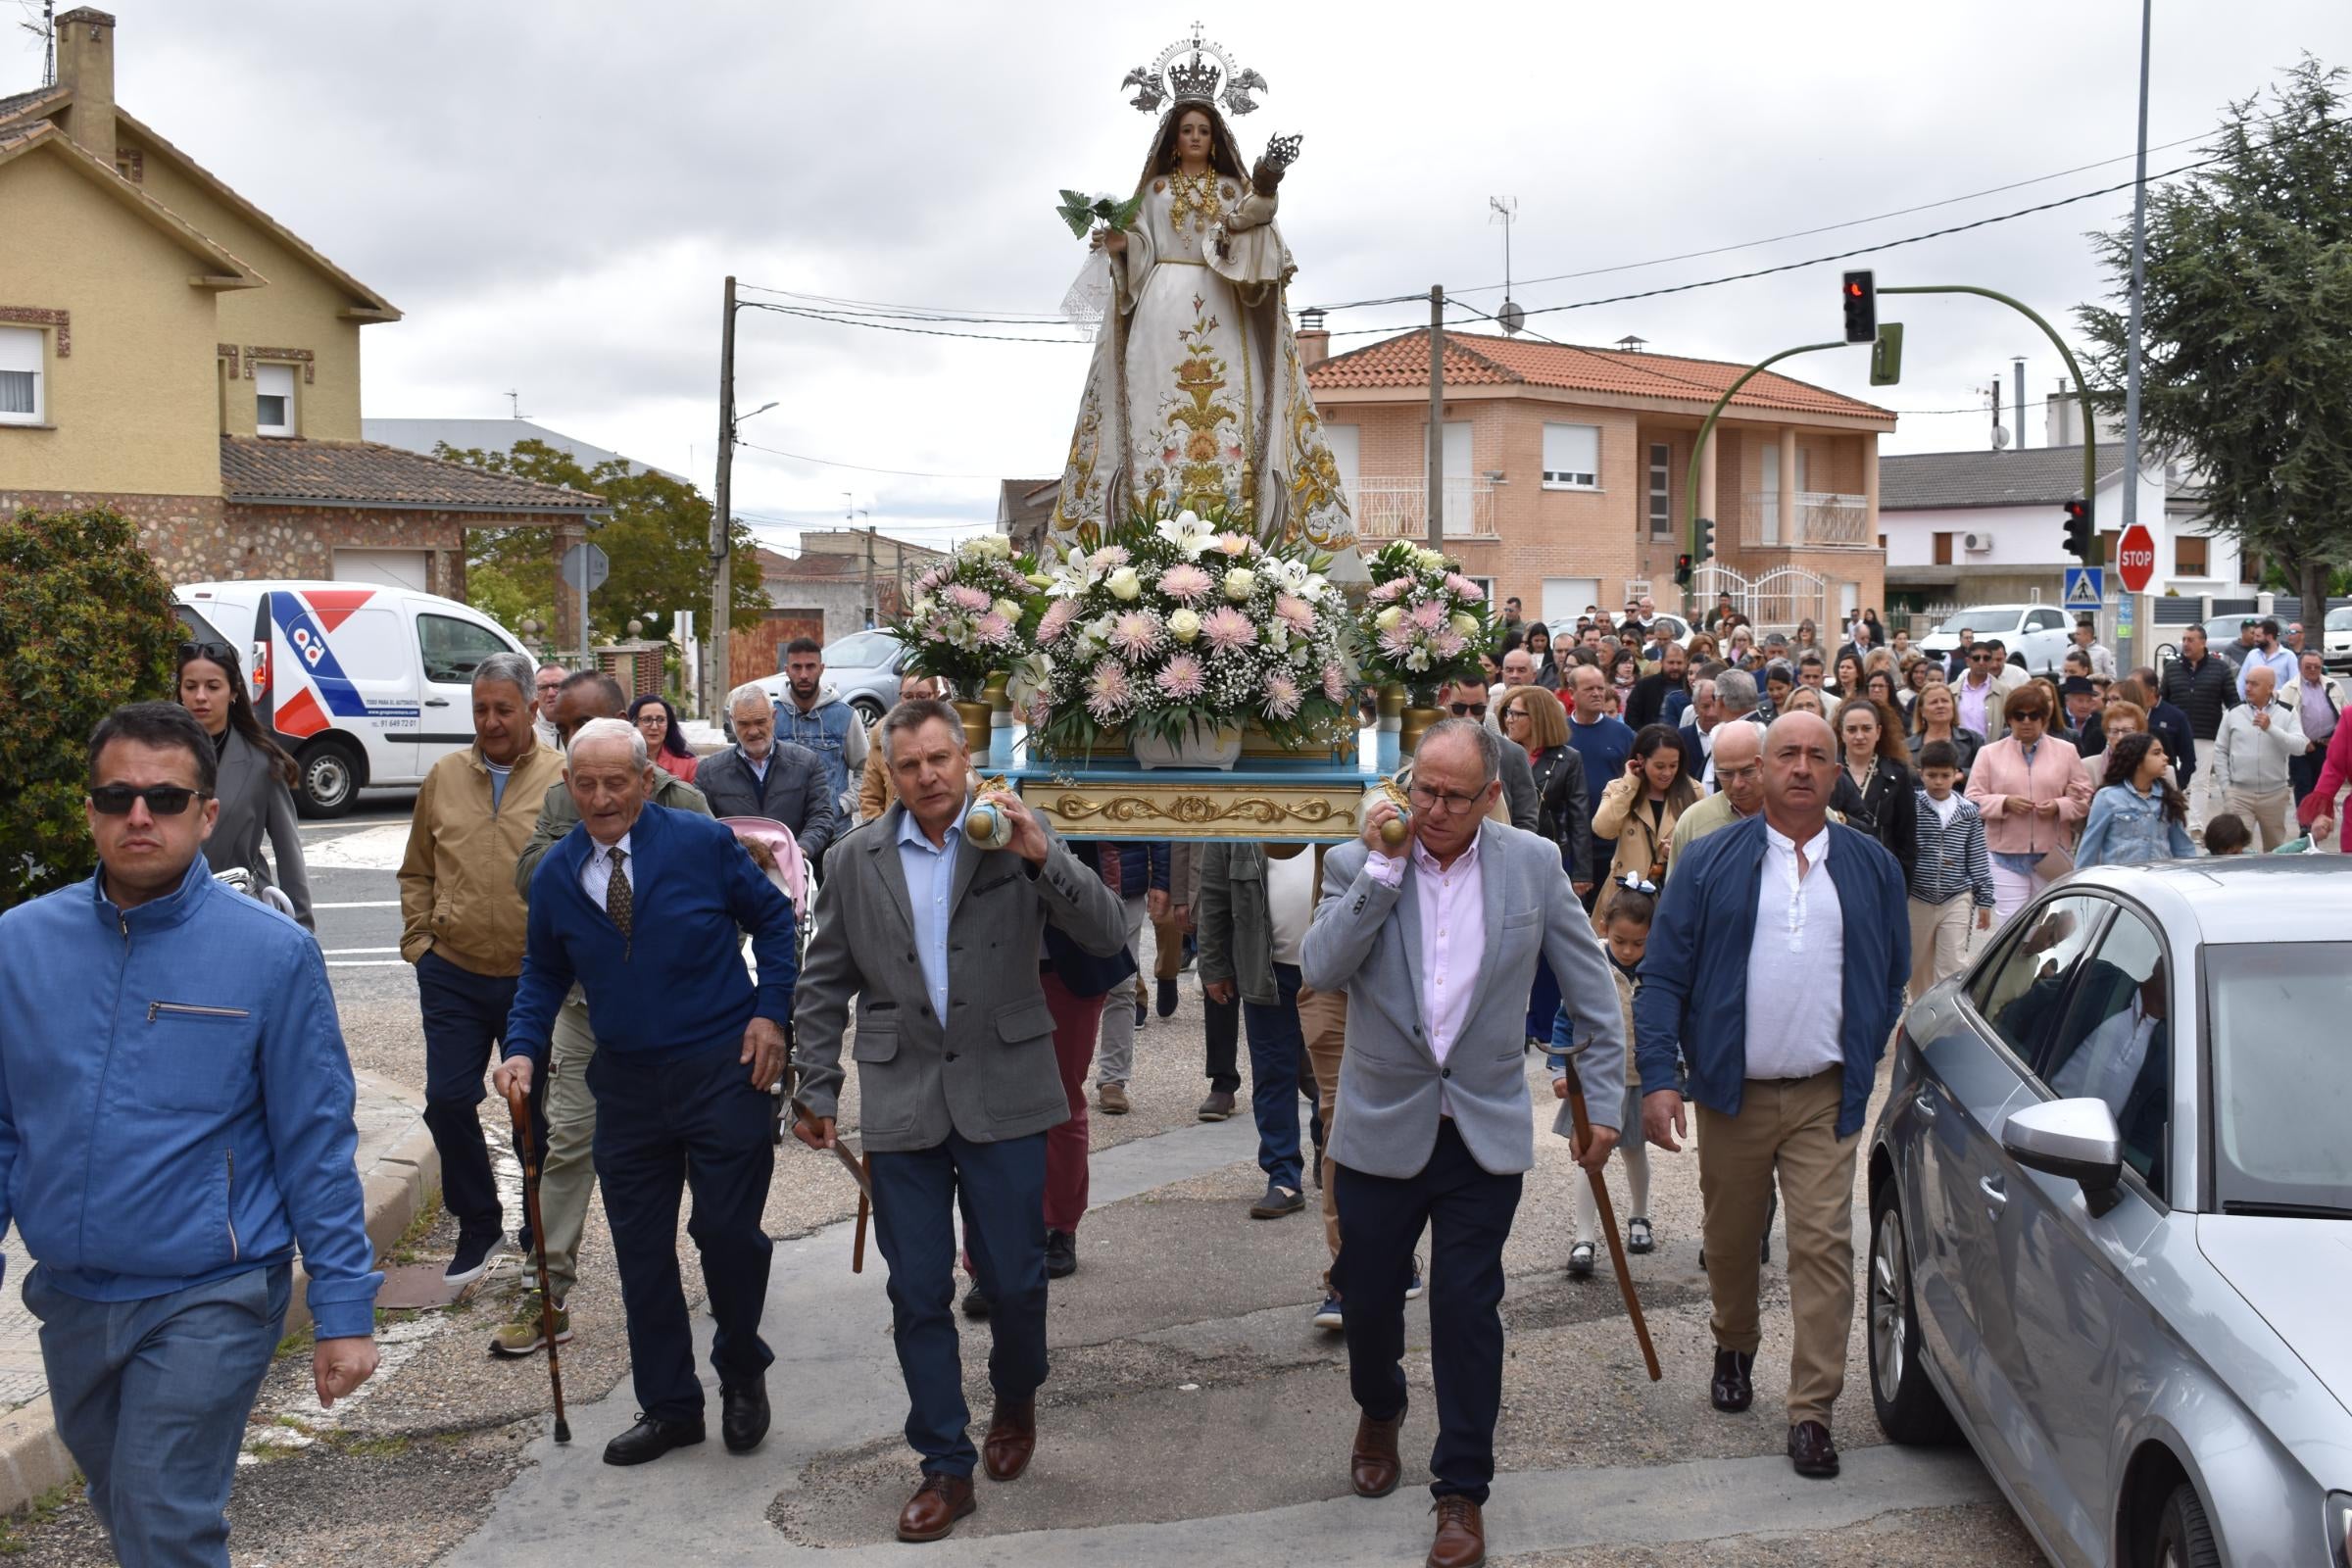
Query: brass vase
975, 727
1391, 700
1416, 722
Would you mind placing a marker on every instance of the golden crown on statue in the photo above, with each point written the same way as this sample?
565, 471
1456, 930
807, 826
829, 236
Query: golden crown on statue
1188, 71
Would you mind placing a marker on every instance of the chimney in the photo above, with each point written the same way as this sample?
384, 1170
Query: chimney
1314, 339
85, 66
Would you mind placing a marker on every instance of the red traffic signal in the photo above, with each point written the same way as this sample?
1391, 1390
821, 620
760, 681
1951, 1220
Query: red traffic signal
2080, 535
1860, 294
1681, 569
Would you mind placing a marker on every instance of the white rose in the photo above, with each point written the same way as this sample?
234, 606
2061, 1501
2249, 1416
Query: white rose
1388, 618
1429, 560
1239, 583
1126, 584
1184, 626
925, 604
1012, 611
1465, 623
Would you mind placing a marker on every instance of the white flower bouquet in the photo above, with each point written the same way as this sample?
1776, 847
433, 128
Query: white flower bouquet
971, 615
1181, 622
1423, 623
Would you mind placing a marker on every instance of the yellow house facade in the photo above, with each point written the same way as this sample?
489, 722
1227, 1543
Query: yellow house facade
170, 350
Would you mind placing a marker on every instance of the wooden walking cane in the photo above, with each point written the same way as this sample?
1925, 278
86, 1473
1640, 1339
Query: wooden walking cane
1608, 1221
860, 1168
518, 1107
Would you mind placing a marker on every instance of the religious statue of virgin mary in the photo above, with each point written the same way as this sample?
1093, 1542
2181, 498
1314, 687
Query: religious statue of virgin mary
1195, 398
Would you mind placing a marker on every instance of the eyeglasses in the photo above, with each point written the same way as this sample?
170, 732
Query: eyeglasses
217, 653
163, 799
1444, 800
1753, 772
1510, 714
1468, 709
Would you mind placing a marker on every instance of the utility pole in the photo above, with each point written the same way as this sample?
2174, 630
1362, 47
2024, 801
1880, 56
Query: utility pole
2139, 278
715, 674
871, 618
1436, 411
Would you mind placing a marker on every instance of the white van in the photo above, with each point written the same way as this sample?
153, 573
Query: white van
365, 685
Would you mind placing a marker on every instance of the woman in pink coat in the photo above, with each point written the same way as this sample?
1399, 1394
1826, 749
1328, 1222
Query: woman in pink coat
2033, 794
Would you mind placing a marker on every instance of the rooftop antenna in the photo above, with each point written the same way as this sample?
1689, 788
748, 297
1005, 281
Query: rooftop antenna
1504, 209
514, 405
46, 30
2000, 436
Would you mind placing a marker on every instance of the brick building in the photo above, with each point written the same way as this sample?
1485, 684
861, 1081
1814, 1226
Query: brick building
170, 350
1566, 471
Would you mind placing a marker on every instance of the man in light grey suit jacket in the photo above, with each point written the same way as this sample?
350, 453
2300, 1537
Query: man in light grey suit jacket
1436, 947
938, 942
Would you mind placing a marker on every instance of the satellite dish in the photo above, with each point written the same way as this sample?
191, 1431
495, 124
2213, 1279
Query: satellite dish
1512, 317
2000, 437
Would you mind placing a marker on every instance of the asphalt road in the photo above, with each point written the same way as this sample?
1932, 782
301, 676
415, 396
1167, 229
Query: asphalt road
1194, 1413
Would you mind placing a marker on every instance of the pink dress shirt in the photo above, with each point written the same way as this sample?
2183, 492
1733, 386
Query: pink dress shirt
1452, 903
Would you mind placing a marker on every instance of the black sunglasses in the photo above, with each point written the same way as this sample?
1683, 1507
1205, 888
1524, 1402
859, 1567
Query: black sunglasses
217, 653
163, 799
1468, 709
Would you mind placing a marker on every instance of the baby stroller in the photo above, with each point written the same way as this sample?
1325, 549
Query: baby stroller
789, 870
236, 876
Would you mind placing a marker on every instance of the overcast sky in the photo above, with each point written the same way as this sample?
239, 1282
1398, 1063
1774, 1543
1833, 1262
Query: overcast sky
553, 192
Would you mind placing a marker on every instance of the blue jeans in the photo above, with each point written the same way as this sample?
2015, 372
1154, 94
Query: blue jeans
1277, 1048
151, 1397
1002, 1191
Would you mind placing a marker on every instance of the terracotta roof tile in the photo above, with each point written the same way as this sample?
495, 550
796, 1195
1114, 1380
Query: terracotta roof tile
362, 473
17, 102
1475, 360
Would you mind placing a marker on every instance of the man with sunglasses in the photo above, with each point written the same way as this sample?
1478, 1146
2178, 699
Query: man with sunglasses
1467, 699
1436, 944
1980, 694
175, 1120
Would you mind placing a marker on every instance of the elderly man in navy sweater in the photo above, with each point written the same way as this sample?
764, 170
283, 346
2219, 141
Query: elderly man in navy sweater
687, 1050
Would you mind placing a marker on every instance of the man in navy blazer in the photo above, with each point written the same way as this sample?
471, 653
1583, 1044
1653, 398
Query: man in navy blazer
642, 905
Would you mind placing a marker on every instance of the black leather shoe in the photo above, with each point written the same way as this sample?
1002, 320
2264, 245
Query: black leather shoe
1062, 1254
1732, 1390
650, 1438
976, 1304
743, 1415
1811, 1451
1167, 998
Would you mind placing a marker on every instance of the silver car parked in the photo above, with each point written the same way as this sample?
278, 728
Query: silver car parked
2111, 1215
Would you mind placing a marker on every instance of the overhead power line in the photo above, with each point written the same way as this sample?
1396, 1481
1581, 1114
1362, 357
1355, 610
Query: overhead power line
862, 468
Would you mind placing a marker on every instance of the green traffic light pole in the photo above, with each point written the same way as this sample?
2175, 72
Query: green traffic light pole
1698, 449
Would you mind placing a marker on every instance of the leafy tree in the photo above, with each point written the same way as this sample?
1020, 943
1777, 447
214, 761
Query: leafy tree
656, 532
85, 625
2247, 325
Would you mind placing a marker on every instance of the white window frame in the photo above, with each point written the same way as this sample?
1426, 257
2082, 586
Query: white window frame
27, 349
275, 380
1661, 490
1568, 478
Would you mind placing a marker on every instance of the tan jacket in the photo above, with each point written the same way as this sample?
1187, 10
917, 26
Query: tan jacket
456, 882
875, 788
1640, 846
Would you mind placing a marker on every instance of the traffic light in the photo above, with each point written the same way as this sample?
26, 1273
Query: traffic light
1861, 295
1706, 538
2080, 531
1681, 569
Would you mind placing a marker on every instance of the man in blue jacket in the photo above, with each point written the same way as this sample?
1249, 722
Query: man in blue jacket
687, 1050
175, 1120
1778, 963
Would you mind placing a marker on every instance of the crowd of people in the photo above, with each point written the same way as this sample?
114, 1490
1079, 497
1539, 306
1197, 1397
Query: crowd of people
1703, 887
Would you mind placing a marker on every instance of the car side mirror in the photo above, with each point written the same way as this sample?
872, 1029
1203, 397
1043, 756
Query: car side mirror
2074, 1140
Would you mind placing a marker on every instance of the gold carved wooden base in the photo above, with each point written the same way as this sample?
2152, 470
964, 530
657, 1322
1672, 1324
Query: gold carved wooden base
1196, 808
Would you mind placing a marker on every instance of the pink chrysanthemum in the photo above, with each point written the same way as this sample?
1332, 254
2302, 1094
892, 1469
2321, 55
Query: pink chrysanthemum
1389, 591
1183, 679
962, 598
1136, 633
1110, 557
1227, 629
1447, 643
926, 583
993, 631
1294, 612
1428, 615
1399, 640
1236, 545
1186, 584
1464, 589
1058, 617
1108, 691
1283, 696
1334, 683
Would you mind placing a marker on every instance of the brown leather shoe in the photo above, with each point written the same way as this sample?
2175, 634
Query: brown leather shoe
1373, 1466
1810, 1450
1011, 1440
1461, 1541
931, 1513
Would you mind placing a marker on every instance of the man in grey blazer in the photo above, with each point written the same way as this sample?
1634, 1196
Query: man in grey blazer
938, 944
1436, 945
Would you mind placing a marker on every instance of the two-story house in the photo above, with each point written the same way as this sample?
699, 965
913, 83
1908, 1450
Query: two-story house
172, 350
1566, 472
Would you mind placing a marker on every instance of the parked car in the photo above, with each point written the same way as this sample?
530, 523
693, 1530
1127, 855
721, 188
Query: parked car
861, 669
364, 684
2111, 1215
2335, 640
2035, 634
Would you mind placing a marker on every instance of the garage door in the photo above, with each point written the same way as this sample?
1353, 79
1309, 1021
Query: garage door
1565, 599
386, 568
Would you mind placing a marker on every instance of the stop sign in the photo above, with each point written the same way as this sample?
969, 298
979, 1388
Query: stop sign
2136, 557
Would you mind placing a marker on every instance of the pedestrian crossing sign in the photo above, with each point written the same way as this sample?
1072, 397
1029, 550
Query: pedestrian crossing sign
2085, 587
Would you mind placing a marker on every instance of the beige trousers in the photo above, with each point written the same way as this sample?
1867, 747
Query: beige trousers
2271, 816
567, 1173
1791, 1123
1323, 1019
1939, 939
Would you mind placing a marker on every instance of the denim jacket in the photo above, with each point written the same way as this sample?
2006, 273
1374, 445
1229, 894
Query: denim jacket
2129, 828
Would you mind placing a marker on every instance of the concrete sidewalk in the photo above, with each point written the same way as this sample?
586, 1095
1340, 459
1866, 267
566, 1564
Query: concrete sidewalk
398, 1167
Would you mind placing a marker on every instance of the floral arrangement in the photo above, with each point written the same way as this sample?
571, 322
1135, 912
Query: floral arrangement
1423, 623
969, 615
1180, 622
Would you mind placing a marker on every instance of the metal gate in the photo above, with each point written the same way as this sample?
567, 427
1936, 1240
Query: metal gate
1775, 602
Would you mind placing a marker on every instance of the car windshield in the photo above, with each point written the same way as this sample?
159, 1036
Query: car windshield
2282, 1133
862, 650
2001, 620
2339, 619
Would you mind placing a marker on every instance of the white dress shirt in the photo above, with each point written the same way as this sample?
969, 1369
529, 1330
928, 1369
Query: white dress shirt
1795, 963
1452, 903
596, 877
1290, 888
